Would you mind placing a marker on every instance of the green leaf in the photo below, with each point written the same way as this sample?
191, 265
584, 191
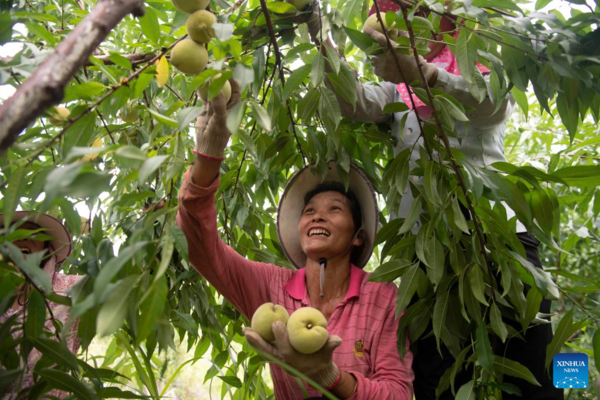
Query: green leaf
569, 113
295, 79
361, 40
333, 58
112, 268
440, 313
413, 216
596, 346
281, 7
261, 116
521, 99
344, 84
12, 194
163, 119
422, 24
112, 313
408, 287
308, 104
80, 133
390, 271
150, 25
580, 175
36, 315
534, 299
231, 380
477, 283
149, 167
317, 69
485, 357
151, 309
8, 377
186, 115
435, 254
112, 392
57, 352
497, 324
512, 368
390, 108
566, 328
329, 108
466, 392
30, 266
459, 218
466, 55
66, 382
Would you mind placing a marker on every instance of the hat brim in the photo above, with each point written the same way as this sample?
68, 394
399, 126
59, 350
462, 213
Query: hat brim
291, 206
61, 239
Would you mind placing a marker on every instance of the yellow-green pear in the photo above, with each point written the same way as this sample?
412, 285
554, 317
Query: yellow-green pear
373, 23
129, 113
60, 117
189, 57
307, 330
190, 6
263, 318
199, 26
226, 90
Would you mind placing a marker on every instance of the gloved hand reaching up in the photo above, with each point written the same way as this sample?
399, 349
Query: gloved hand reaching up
385, 66
318, 366
212, 134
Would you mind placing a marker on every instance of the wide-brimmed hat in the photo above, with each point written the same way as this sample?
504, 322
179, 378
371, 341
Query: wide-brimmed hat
291, 206
61, 239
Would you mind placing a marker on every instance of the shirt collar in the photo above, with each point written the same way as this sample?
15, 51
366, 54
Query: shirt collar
296, 286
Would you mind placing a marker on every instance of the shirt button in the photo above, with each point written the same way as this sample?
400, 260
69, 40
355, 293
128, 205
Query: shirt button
475, 158
489, 158
495, 138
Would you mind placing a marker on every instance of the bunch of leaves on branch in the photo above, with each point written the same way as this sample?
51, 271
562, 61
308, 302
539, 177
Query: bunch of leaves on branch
122, 136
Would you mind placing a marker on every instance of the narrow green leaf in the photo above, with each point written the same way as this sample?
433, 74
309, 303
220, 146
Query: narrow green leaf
395, 107
308, 104
466, 55
63, 381
333, 58
484, 349
80, 133
466, 392
56, 351
408, 287
149, 167
413, 216
36, 315
317, 69
231, 380
11, 195
440, 313
261, 116
512, 368
151, 309
163, 119
389, 271
150, 26
8, 377
295, 79
112, 313
497, 324
435, 254
112, 268
566, 328
30, 266
477, 283
569, 114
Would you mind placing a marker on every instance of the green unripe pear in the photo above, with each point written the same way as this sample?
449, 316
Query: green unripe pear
373, 23
263, 318
189, 57
60, 117
307, 330
226, 90
199, 26
129, 113
190, 6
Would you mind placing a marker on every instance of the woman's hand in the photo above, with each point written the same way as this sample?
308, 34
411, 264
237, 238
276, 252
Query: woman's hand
386, 67
318, 366
212, 134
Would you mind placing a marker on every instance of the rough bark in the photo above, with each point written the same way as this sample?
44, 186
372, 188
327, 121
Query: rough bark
45, 87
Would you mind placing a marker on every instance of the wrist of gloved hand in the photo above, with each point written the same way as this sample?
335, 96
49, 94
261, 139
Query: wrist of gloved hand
329, 377
211, 143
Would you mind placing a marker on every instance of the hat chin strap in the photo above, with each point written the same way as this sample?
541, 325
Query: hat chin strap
323, 262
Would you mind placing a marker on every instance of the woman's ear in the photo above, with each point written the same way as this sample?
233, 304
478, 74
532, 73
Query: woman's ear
359, 238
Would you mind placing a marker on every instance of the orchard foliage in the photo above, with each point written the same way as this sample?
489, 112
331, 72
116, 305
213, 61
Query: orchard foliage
129, 140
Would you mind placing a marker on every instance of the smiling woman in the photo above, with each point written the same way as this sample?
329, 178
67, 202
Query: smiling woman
319, 224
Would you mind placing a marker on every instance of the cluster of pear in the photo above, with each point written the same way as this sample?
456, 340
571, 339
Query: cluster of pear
306, 327
189, 55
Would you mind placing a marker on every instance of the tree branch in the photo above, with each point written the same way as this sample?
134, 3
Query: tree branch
47, 84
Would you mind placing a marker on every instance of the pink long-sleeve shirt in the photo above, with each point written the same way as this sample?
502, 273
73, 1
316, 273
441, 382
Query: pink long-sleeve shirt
364, 319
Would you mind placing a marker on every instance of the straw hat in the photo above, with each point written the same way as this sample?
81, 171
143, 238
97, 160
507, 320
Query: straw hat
61, 242
291, 206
